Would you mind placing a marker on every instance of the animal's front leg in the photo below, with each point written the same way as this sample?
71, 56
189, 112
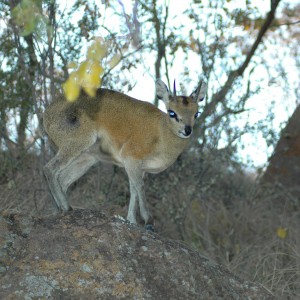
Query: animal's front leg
131, 216
144, 210
137, 190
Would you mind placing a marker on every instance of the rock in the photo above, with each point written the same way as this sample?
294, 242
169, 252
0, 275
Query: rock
284, 164
280, 181
85, 254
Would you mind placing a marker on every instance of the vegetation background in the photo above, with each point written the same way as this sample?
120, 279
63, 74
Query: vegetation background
212, 198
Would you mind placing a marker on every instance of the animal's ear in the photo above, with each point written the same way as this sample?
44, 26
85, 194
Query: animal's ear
162, 91
199, 94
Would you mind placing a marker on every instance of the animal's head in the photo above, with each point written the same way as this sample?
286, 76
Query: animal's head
182, 110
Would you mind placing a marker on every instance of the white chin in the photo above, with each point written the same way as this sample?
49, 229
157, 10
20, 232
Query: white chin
183, 136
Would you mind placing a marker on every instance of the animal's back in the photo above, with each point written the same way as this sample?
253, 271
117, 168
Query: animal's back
109, 115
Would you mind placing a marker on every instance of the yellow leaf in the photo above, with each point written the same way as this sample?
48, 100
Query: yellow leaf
72, 65
281, 232
82, 70
247, 27
90, 91
97, 50
94, 74
115, 60
90, 74
193, 45
71, 88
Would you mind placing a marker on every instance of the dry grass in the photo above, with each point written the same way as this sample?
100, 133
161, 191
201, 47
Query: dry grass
218, 211
244, 238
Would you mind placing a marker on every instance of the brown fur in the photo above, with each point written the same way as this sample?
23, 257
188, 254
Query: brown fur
116, 128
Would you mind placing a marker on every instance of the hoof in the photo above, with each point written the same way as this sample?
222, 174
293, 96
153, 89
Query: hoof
149, 227
64, 210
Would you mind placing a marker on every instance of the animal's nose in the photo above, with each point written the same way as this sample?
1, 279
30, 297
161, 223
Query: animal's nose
187, 130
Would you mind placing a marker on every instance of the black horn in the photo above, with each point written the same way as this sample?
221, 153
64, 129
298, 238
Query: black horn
174, 89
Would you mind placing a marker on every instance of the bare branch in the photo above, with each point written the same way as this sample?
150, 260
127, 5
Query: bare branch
286, 24
233, 75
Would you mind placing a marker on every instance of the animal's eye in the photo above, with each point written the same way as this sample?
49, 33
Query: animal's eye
172, 114
197, 114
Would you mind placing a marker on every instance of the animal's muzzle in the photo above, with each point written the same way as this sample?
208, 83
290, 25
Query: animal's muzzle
188, 130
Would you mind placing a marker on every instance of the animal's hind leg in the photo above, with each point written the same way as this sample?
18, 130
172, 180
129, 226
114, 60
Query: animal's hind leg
76, 169
58, 166
52, 171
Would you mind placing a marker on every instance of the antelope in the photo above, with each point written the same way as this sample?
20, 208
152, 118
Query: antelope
116, 128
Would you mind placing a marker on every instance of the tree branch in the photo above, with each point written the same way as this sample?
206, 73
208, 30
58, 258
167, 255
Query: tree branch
286, 24
233, 75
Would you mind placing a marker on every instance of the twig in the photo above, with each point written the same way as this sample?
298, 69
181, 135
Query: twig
286, 24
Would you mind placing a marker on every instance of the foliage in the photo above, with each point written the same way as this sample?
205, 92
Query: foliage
27, 15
